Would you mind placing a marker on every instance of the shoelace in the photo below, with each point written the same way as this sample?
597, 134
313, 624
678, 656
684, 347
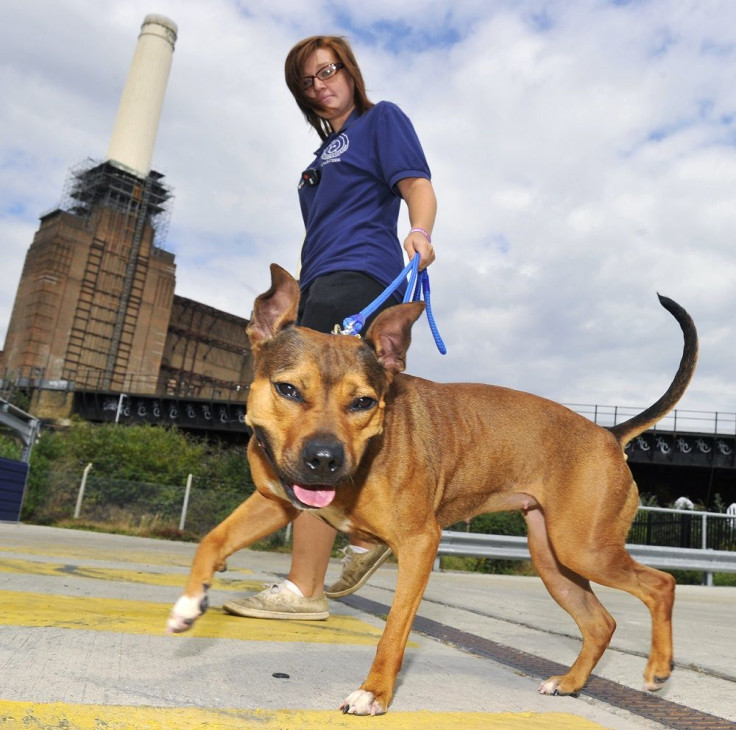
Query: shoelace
348, 555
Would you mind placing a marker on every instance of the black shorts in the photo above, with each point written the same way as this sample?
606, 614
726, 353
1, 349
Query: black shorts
329, 299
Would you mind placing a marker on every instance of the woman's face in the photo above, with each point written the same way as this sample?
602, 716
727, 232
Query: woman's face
334, 95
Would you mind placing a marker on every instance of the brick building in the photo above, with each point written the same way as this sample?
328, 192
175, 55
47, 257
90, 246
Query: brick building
96, 310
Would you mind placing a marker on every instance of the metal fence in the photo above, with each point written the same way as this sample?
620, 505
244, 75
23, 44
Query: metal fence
683, 529
510, 547
136, 505
156, 506
671, 539
668, 538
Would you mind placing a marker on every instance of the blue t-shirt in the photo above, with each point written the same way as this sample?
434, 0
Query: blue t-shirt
351, 214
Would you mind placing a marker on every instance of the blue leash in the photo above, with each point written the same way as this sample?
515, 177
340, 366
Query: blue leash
418, 287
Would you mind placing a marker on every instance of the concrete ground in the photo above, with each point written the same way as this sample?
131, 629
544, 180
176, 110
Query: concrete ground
82, 645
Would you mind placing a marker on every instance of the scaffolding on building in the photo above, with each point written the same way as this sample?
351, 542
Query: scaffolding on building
136, 203
92, 183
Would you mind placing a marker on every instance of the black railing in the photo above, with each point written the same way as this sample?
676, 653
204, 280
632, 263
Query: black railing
677, 421
683, 529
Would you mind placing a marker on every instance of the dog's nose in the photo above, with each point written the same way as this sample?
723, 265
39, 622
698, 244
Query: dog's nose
323, 457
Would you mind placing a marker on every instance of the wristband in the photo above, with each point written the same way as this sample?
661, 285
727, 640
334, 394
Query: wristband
423, 232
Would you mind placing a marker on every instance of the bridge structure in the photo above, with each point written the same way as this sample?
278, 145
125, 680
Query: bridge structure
689, 454
190, 413
684, 438
684, 449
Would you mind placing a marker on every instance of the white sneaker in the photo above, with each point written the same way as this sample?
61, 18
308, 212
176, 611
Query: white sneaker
277, 601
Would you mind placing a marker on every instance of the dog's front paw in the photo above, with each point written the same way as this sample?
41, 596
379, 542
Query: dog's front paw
556, 686
361, 702
549, 686
185, 612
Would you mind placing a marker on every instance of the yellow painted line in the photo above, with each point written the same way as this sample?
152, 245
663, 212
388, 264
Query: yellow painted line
33, 567
129, 555
92, 717
143, 617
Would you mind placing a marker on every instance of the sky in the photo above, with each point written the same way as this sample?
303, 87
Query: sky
583, 154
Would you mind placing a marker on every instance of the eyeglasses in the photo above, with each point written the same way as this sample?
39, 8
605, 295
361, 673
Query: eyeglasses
326, 72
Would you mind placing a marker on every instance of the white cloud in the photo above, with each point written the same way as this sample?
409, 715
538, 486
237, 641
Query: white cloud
584, 157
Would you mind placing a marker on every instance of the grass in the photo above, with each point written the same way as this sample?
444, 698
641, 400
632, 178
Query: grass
123, 527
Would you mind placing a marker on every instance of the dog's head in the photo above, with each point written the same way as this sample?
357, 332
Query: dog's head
317, 399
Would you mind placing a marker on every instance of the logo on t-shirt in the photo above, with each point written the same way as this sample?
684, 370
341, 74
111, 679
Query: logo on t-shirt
337, 147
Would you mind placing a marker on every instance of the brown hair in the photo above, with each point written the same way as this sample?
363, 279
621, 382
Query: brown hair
294, 72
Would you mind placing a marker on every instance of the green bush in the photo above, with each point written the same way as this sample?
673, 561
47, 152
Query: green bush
695, 578
149, 462
10, 448
141, 453
499, 523
44, 457
494, 523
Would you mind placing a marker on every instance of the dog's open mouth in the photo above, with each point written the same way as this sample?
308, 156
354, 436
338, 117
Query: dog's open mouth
314, 495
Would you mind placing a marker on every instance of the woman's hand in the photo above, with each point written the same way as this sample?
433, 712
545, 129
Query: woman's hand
417, 243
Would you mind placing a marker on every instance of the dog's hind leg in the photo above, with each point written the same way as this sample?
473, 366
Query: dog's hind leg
657, 591
254, 519
573, 593
612, 566
599, 554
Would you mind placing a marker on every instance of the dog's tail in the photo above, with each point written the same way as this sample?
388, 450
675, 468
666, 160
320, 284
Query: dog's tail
630, 429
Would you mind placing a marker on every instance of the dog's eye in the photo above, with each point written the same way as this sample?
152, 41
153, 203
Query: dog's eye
363, 404
287, 390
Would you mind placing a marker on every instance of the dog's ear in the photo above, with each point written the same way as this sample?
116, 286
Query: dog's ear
275, 309
390, 334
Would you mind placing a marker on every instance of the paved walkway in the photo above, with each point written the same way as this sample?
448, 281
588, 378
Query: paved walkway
82, 645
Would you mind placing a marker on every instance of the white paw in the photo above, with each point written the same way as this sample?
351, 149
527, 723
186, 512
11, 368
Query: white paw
185, 612
549, 686
361, 702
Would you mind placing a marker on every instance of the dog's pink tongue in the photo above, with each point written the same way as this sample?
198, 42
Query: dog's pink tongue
314, 496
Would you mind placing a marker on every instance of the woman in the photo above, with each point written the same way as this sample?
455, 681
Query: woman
350, 196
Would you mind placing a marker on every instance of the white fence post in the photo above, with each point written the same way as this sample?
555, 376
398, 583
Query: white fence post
80, 496
119, 410
707, 577
704, 543
186, 503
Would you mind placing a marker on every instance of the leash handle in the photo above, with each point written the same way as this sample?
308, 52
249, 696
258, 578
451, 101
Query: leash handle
418, 286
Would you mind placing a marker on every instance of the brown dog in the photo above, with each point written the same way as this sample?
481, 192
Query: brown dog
394, 458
